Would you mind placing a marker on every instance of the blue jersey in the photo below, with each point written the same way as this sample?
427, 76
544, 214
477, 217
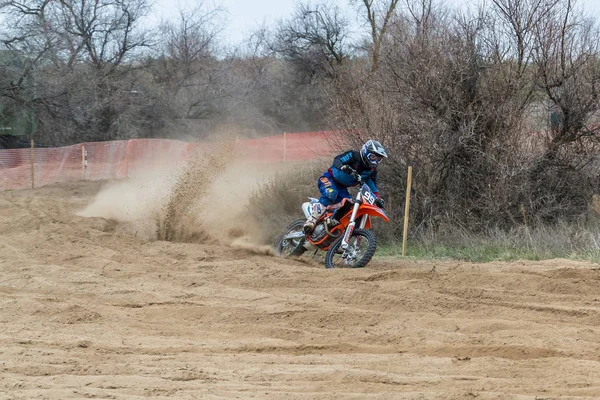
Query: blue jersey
354, 160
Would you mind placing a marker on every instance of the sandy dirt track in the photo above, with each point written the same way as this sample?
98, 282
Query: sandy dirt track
89, 310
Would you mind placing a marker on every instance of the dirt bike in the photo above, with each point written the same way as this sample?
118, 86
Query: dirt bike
343, 233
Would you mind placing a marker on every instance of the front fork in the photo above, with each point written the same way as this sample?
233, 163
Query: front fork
352, 225
347, 235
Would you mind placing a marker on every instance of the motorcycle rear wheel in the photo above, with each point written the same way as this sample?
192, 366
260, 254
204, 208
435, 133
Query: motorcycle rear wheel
363, 244
288, 247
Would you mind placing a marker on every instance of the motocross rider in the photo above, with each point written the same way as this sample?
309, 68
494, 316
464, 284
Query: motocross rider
334, 183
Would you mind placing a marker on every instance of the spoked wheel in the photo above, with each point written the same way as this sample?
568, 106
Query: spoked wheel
360, 251
291, 241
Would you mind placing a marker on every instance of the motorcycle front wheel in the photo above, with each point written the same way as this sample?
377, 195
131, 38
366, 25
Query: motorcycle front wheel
362, 246
291, 241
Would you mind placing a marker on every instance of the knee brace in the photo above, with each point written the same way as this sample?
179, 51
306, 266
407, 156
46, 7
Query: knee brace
316, 210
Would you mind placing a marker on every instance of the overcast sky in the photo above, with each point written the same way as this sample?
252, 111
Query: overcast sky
245, 16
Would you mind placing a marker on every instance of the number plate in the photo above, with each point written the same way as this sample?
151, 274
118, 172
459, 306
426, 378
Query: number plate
367, 195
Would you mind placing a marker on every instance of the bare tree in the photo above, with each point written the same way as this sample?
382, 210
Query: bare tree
568, 71
313, 39
101, 32
567, 51
192, 38
186, 66
517, 34
378, 19
449, 99
76, 52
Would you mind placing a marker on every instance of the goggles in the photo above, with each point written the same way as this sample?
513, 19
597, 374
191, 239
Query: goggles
374, 158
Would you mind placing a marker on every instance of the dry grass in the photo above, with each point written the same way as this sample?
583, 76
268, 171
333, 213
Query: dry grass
278, 202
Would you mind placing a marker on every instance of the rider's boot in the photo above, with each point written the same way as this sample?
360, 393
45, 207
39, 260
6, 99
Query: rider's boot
309, 226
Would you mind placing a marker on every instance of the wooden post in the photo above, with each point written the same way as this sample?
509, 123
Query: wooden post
406, 208
83, 161
32, 165
284, 146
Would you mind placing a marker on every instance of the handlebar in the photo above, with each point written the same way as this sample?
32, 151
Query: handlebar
357, 176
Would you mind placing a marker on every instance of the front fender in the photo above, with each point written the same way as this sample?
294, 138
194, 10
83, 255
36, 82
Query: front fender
372, 211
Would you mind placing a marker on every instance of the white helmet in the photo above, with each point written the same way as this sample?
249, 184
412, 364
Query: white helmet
372, 153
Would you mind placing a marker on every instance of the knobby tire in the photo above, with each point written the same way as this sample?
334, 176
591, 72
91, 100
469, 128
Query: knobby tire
366, 257
297, 225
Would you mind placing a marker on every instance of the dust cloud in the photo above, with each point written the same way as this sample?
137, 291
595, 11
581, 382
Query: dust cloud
203, 201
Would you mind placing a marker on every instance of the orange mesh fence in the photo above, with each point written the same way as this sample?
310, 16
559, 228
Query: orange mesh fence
15, 168
104, 159
145, 155
287, 147
59, 164
22, 168
307, 146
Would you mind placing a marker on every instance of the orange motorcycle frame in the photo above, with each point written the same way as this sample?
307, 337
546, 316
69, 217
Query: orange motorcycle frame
364, 209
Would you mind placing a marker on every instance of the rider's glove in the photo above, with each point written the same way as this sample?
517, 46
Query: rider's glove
379, 202
347, 169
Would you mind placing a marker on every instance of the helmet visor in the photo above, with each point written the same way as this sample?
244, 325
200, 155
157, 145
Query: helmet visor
374, 158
